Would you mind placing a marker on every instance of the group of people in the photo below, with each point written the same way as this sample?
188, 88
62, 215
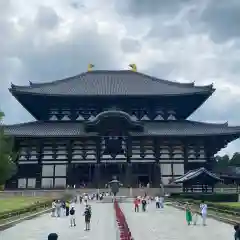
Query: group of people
192, 214
143, 201
68, 209
60, 208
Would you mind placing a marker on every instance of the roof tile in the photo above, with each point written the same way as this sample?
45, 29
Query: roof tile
112, 83
160, 128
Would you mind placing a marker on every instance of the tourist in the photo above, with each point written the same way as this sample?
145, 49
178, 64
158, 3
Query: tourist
87, 216
67, 208
144, 204
72, 217
63, 206
58, 208
188, 214
53, 209
194, 217
85, 199
157, 201
237, 232
136, 204
161, 202
203, 208
52, 236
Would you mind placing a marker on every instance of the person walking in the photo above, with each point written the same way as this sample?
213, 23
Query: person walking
80, 199
72, 217
144, 205
203, 207
136, 204
85, 199
188, 214
58, 208
157, 201
194, 217
161, 202
87, 216
67, 208
53, 209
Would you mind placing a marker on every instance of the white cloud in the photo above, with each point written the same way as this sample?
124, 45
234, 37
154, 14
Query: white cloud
51, 39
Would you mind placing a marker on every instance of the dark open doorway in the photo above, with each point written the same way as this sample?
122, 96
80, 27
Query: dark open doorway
80, 175
143, 180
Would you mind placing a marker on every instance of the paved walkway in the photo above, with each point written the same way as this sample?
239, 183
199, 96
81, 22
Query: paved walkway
169, 224
103, 226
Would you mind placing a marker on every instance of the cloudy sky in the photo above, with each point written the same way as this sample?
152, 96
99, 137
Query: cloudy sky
181, 40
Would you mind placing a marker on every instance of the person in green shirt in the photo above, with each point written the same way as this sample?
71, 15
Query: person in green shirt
188, 214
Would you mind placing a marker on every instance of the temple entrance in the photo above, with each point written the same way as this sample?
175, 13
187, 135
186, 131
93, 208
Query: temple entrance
143, 180
80, 175
112, 169
142, 174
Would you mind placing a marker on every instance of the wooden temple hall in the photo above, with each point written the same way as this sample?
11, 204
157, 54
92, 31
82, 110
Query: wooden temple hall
100, 124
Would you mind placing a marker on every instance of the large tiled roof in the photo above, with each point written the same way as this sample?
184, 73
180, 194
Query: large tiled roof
195, 173
98, 83
161, 128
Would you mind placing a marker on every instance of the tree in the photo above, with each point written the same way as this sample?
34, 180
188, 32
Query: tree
221, 163
235, 160
7, 156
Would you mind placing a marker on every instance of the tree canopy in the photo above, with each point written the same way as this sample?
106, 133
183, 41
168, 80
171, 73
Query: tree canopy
222, 162
7, 156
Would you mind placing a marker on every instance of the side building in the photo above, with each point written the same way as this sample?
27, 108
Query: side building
103, 123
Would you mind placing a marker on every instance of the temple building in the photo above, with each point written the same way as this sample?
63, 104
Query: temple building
100, 124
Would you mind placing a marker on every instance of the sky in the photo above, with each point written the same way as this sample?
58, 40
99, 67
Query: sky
178, 40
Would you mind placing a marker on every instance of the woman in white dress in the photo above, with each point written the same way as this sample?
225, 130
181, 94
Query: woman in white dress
203, 207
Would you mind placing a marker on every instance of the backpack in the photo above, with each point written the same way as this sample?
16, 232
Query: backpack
72, 211
88, 212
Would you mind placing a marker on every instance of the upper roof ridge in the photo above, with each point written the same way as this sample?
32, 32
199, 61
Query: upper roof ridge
58, 81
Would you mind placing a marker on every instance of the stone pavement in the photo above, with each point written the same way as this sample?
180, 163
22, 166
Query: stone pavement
169, 224
103, 226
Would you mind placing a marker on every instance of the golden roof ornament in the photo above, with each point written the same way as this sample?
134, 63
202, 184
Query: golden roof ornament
90, 67
133, 67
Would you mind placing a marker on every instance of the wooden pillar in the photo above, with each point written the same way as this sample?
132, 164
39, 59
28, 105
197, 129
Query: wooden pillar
185, 156
97, 176
39, 168
128, 148
69, 177
208, 154
69, 151
156, 175
128, 175
171, 159
98, 149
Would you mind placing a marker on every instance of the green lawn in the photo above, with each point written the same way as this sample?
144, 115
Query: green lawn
230, 204
14, 203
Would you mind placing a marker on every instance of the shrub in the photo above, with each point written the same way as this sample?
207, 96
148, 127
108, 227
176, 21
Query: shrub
229, 209
29, 209
208, 197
